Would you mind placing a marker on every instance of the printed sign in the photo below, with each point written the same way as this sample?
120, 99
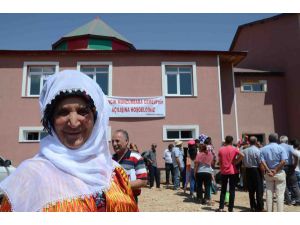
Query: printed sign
137, 106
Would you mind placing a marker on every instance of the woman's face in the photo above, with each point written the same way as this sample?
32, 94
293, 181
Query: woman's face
73, 122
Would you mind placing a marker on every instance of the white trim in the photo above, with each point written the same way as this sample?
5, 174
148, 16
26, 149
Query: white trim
164, 83
235, 104
34, 63
220, 98
194, 128
24, 130
98, 63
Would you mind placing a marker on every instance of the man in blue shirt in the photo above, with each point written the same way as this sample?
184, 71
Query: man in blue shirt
289, 168
254, 177
273, 158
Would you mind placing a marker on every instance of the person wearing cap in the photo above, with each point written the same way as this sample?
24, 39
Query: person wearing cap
152, 166
177, 158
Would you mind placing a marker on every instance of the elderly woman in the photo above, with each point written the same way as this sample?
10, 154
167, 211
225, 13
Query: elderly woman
73, 170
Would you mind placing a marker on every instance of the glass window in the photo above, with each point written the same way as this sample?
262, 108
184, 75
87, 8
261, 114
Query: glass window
99, 74
259, 86
181, 132
32, 136
185, 83
179, 80
35, 83
172, 134
172, 84
186, 134
247, 87
37, 77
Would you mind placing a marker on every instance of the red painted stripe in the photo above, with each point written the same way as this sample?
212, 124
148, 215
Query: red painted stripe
78, 43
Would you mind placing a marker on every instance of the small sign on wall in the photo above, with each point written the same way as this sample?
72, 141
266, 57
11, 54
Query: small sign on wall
137, 106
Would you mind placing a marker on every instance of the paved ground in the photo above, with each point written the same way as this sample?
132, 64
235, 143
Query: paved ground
167, 200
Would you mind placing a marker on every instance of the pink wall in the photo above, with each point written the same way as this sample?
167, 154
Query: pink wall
228, 101
133, 75
274, 45
262, 112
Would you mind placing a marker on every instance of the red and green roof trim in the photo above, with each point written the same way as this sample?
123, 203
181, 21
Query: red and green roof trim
95, 35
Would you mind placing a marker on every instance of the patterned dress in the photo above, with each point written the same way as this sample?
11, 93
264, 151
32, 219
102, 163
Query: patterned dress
119, 198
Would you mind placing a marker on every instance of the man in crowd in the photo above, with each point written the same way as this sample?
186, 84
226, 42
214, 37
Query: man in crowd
273, 158
289, 169
131, 161
169, 164
229, 156
152, 166
177, 158
254, 176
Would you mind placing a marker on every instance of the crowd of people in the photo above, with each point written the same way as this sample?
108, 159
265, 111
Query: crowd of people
74, 170
273, 169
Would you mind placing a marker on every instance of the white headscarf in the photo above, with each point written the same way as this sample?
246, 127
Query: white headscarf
57, 172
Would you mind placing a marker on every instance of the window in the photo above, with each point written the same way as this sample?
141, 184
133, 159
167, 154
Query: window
31, 134
35, 75
179, 78
254, 86
182, 132
101, 72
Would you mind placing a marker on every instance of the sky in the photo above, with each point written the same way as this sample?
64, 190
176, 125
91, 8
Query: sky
181, 31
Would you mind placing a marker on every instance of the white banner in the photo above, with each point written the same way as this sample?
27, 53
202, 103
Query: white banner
137, 106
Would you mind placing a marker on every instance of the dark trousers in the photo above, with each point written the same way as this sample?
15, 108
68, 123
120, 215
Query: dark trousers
254, 181
232, 183
203, 178
154, 173
169, 169
291, 185
182, 176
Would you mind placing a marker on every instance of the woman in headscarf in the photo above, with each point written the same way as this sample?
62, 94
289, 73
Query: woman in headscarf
73, 170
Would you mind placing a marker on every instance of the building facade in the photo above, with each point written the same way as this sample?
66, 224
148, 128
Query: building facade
203, 92
273, 52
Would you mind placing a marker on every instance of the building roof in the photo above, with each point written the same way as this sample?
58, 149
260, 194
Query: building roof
246, 71
233, 57
243, 26
98, 28
94, 29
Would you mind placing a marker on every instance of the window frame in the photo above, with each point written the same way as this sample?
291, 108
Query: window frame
99, 63
23, 131
193, 128
165, 81
250, 83
26, 78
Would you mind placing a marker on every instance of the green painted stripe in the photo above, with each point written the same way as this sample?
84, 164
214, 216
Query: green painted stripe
62, 46
100, 44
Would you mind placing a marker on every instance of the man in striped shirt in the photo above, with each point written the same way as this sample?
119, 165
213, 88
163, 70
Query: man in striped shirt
131, 161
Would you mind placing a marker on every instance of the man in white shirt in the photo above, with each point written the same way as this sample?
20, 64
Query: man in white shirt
169, 163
